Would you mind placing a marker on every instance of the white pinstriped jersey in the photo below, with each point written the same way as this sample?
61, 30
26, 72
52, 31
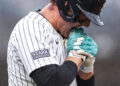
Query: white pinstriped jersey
33, 43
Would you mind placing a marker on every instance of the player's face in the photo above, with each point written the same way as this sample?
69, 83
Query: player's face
86, 21
66, 26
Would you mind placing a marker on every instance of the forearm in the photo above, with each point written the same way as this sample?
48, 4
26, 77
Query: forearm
75, 60
85, 76
54, 75
86, 82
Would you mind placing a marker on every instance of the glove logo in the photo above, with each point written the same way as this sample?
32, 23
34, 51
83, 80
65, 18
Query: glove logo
40, 54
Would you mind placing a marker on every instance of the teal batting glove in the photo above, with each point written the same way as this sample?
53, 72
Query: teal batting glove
84, 45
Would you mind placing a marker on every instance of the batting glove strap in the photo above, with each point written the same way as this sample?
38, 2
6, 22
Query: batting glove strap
87, 69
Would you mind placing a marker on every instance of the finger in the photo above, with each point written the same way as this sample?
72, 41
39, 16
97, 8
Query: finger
80, 39
74, 54
82, 52
77, 43
77, 47
89, 61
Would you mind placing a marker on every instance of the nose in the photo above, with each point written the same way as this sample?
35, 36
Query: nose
87, 23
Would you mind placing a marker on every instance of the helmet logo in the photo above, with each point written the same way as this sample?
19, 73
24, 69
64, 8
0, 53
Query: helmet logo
79, 1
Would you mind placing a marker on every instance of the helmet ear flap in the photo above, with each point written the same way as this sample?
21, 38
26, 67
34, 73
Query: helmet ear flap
68, 5
74, 9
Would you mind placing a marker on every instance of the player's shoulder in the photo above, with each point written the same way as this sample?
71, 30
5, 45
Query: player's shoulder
32, 17
35, 21
31, 20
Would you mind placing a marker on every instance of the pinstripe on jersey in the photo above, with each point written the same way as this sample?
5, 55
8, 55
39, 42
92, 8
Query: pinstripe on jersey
32, 34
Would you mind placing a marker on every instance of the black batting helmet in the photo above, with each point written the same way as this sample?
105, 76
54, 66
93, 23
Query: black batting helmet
91, 8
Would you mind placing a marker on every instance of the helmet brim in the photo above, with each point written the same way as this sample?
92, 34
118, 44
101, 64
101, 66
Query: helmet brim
96, 19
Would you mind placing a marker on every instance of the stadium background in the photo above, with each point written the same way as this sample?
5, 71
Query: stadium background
107, 66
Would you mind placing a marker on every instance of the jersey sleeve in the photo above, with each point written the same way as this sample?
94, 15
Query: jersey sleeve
34, 43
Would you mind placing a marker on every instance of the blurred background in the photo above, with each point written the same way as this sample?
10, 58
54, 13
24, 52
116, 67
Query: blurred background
107, 66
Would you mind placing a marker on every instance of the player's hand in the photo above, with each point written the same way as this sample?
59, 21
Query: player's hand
74, 53
87, 48
75, 38
84, 45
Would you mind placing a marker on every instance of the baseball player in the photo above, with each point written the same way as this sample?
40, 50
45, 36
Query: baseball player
37, 55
